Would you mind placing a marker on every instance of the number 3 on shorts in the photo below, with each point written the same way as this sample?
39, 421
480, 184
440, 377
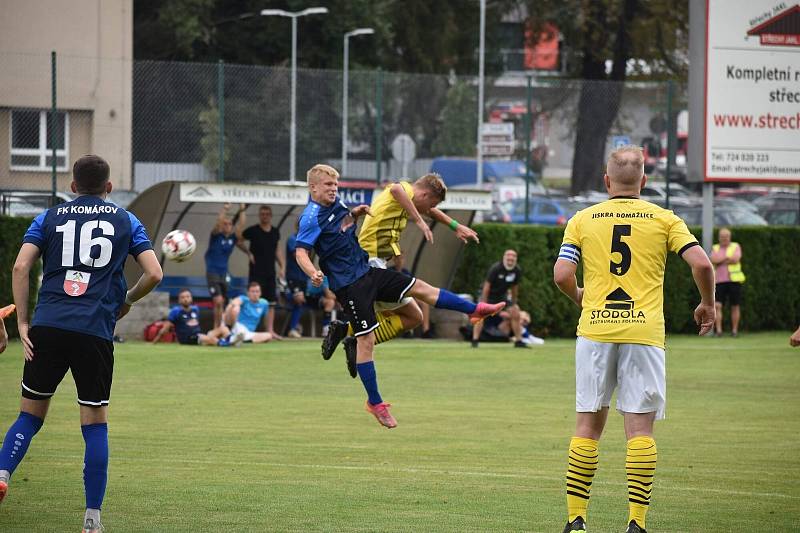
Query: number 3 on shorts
364, 324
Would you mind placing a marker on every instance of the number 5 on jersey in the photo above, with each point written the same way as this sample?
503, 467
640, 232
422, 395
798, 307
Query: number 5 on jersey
622, 248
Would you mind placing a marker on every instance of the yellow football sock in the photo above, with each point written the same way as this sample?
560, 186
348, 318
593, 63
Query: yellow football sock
640, 465
583, 458
390, 327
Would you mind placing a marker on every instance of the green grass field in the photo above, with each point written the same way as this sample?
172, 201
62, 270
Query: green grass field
273, 438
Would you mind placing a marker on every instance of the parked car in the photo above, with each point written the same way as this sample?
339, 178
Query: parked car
723, 216
777, 216
29, 203
544, 210
784, 200
748, 194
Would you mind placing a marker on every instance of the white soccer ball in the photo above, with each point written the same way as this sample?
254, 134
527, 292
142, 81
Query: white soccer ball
178, 245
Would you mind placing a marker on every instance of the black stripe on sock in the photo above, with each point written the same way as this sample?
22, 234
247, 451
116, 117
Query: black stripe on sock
581, 473
582, 489
582, 482
577, 495
640, 502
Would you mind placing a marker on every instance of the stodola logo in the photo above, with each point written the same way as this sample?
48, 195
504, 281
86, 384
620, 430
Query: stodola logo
619, 307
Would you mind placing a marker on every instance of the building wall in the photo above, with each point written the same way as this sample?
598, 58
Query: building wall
93, 40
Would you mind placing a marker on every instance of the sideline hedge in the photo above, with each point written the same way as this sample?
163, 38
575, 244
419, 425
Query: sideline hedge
771, 262
12, 229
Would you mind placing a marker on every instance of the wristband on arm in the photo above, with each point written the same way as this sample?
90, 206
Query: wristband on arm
453, 224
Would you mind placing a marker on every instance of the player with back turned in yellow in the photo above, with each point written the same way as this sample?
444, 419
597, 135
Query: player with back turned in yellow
623, 243
379, 236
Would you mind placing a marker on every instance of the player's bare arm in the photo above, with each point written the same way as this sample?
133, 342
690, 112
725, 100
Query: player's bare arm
164, 329
28, 254
151, 276
565, 280
3, 336
703, 274
360, 210
405, 202
463, 232
301, 254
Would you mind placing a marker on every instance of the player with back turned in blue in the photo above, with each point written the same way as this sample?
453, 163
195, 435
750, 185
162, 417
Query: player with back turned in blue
83, 245
328, 227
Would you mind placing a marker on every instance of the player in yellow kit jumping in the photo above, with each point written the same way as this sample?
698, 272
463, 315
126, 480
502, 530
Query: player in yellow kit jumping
380, 238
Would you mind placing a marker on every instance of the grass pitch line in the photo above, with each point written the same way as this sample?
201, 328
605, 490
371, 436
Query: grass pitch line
465, 473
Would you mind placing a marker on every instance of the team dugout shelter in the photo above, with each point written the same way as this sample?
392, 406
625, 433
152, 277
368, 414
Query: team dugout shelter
194, 207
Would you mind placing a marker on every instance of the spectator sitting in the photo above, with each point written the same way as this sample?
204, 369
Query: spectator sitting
321, 297
184, 317
245, 313
527, 336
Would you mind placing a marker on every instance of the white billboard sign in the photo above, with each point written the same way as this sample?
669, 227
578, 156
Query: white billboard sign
752, 121
244, 193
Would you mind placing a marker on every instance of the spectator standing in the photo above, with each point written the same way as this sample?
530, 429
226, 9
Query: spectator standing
502, 285
264, 252
727, 256
296, 281
220, 246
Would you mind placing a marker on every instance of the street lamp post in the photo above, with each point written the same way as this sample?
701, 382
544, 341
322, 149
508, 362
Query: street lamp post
481, 53
358, 31
293, 121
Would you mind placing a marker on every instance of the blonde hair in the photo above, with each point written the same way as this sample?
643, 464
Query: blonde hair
316, 172
626, 165
434, 183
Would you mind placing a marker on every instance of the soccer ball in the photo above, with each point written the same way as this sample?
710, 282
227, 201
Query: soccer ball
178, 245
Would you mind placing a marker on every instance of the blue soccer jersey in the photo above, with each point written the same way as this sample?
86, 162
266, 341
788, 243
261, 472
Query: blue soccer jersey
220, 248
84, 244
250, 314
187, 322
331, 232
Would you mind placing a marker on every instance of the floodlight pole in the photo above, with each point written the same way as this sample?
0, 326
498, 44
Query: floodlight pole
345, 82
293, 121
481, 53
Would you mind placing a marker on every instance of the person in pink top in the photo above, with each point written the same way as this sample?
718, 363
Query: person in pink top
726, 257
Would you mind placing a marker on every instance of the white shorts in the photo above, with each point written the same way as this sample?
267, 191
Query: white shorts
387, 306
638, 371
247, 335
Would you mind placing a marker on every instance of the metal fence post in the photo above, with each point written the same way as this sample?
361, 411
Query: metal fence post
378, 125
54, 118
528, 128
221, 118
670, 136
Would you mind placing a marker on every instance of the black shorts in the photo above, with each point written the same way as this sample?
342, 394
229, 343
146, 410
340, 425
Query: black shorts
728, 292
190, 339
358, 299
267, 283
217, 285
90, 358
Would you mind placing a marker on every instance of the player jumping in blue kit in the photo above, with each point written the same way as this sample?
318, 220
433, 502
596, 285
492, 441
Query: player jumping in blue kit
328, 227
83, 245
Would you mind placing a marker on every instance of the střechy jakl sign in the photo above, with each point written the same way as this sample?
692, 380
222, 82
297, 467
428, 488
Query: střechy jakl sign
752, 122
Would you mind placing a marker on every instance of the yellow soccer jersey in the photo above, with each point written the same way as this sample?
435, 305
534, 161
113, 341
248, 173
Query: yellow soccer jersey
380, 233
623, 243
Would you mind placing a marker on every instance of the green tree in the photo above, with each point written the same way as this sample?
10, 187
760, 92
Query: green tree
638, 38
458, 122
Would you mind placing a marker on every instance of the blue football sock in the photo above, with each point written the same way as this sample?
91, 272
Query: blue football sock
366, 371
448, 300
17, 440
95, 461
297, 312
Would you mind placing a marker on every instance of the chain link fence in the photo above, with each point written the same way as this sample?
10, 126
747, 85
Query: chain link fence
158, 121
